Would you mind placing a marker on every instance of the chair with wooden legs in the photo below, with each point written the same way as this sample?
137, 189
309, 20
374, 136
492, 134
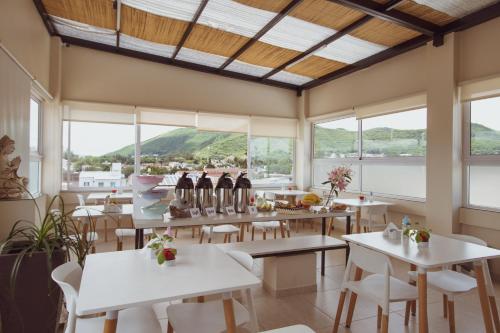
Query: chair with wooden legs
271, 226
374, 212
226, 229
380, 287
133, 320
190, 317
122, 233
452, 283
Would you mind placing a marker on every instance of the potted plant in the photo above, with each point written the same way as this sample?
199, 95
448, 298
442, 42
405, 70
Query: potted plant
161, 248
29, 300
422, 237
338, 179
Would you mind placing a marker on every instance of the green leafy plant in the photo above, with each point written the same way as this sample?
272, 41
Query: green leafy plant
421, 235
57, 230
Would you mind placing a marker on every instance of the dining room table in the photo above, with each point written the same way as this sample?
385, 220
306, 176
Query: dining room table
441, 252
113, 281
358, 204
99, 197
93, 213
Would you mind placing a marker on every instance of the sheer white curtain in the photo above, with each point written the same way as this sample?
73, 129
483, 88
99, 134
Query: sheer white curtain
52, 148
15, 93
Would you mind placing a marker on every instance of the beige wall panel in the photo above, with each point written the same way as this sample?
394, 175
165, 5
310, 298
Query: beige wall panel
399, 76
90, 75
23, 33
478, 51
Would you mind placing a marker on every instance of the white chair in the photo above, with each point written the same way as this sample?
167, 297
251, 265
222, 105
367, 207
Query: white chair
375, 213
452, 283
91, 238
140, 319
82, 202
81, 199
127, 232
190, 317
226, 229
379, 287
291, 329
270, 226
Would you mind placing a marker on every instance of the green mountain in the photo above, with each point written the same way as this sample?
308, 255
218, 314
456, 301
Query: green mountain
187, 142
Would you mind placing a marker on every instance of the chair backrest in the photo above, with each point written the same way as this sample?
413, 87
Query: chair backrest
376, 210
243, 258
369, 260
81, 199
68, 276
469, 239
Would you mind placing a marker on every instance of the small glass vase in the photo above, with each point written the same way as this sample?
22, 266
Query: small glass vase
423, 245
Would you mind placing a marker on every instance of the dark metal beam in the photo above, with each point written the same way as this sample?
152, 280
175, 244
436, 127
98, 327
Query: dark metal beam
321, 44
45, 18
367, 62
466, 22
392, 4
284, 12
190, 27
393, 15
173, 62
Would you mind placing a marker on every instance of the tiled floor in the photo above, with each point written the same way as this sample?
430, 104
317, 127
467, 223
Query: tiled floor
317, 309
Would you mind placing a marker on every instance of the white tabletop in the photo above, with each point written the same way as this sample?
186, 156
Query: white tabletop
98, 211
284, 245
228, 219
118, 280
361, 203
441, 251
288, 192
103, 195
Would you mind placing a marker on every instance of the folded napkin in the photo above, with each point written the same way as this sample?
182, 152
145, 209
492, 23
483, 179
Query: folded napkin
392, 231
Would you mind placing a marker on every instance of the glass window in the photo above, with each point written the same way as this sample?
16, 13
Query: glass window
169, 151
482, 153
381, 163
271, 160
336, 139
398, 134
34, 125
485, 127
97, 154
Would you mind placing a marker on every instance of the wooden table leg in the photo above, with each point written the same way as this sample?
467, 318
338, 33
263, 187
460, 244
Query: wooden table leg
491, 296
242, 231
423, 326
413, 283
282, 229
358, 220
229, 313
323, 232
111, 322
483, 297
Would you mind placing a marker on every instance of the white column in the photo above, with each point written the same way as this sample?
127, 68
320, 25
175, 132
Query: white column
444, 181
303, 144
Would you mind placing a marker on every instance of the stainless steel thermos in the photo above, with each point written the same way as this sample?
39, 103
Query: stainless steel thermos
223, 192
241, 193
184, 191
204, 193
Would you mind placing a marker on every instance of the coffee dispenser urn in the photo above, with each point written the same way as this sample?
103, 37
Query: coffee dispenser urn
223, 192
184, 190
204, 193
241, 193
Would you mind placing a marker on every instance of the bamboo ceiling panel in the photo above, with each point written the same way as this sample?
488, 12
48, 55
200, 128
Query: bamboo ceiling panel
425, 13
150, 27
99, 13
315, 67
219, 42
267, 55
270, 5
384, 33
326, 13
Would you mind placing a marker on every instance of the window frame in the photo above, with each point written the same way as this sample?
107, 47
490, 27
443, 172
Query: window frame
468, 159
361, 160
137, 161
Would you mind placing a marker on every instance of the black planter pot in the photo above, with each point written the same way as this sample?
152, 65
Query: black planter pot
36, 302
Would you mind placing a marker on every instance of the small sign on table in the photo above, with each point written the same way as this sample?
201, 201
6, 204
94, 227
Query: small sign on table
252, 210
230, 210
210, 211
195, 212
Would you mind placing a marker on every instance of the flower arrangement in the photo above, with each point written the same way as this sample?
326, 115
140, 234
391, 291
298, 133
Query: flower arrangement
162, 249
421, 235
338, 179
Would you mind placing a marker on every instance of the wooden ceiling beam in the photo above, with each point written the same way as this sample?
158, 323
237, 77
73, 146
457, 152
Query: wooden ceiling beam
45, 18
393, 15
284, 12
478, 17
190, 27
173, 62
